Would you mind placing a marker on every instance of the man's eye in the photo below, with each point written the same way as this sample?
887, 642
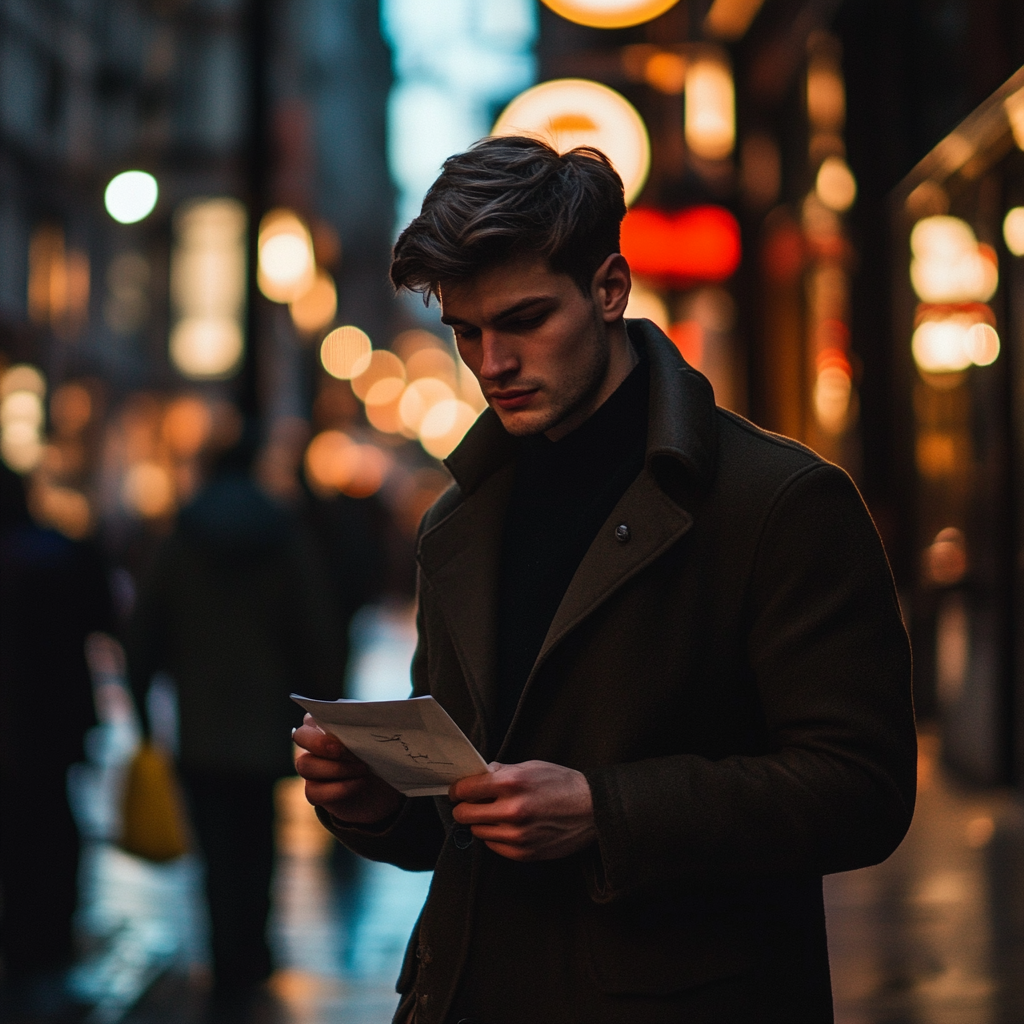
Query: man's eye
528, 323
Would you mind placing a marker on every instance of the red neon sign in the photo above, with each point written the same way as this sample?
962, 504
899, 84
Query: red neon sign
701, 243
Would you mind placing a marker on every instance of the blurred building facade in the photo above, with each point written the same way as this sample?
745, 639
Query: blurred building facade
763, 234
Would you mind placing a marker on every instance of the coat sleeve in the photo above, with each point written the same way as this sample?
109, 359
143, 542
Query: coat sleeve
413, 839
829, 653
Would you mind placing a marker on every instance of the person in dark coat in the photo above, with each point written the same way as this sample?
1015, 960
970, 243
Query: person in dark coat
53, 594
675, 636
237, 610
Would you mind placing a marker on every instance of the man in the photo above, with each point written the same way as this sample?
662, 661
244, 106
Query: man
675, 634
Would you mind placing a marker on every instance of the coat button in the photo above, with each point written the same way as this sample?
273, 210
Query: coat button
462, 838
622, 533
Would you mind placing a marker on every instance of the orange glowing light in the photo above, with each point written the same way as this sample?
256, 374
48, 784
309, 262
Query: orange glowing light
187, 425
609, 13
381, 365
346, 352
701, 243
315, 309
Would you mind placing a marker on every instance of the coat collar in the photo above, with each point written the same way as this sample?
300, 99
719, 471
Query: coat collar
681, 419
459, 555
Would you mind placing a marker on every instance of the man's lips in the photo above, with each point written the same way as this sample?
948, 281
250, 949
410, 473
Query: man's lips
512, 398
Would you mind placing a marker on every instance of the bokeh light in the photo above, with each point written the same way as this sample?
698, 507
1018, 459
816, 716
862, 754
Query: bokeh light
949, 265
570, 112
419, 398
1013, 230
187, 426
334, 462
314, 310
208, 288
346, 352
22, 415
131, 196
381, 365
701, 243
444, 426
710, 107
949, 343
835, 184
148, 490
286, 269
206, 346
609, 13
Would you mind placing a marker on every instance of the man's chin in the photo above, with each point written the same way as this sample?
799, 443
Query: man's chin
525, 422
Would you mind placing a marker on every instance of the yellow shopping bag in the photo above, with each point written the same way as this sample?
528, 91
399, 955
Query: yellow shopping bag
153, 812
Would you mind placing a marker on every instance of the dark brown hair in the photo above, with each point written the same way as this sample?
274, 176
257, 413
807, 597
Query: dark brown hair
507, 198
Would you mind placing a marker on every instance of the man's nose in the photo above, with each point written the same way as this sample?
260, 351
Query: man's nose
499, 360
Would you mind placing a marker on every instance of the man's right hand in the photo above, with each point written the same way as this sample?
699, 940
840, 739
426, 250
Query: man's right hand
339, 782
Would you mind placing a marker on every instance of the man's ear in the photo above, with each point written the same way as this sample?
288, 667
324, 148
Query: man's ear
610, 287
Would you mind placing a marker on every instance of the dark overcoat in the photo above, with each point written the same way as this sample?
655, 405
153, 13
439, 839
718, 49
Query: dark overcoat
734, 681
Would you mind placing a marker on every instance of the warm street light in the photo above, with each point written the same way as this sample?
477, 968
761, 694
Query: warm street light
569, 112
131, 196
609, 13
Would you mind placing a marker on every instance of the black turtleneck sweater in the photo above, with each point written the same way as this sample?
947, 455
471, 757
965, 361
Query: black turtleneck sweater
561, 496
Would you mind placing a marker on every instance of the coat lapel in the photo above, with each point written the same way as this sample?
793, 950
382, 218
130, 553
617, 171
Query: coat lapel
460, 555
459, 560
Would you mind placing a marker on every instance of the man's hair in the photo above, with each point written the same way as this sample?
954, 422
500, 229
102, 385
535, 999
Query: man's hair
508, 198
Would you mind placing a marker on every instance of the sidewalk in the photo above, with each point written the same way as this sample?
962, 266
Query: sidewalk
935, 935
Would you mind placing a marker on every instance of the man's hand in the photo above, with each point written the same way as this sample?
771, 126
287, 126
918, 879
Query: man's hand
339, 782
529, 811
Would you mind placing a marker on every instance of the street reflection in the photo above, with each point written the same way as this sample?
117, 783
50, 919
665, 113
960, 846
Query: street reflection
933, 935
339, 925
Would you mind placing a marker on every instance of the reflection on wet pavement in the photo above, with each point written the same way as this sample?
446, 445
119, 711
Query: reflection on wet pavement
935, 935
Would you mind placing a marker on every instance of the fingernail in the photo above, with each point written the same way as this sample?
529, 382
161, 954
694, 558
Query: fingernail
293, 732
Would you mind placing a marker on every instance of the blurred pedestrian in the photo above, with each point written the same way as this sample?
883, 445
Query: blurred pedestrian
53, 594
238, 611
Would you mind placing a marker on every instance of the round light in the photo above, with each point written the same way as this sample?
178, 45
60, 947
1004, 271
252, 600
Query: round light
982, 344
346, 352
1013, 230
609, 13
645, 304
570, 112
444, 426
835, 184
206, 347
315, 310
940, 346
710, 108
419, 398
148, 490
382, 365
286, 269
131, 196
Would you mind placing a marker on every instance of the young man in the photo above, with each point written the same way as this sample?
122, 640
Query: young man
675, 633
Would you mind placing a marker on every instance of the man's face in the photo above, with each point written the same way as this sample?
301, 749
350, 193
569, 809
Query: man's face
538, 346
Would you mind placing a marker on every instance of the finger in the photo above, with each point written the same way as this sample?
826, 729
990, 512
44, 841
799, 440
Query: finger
311, 767
469, 813
511, 835
311, 737
326, 794
484, 786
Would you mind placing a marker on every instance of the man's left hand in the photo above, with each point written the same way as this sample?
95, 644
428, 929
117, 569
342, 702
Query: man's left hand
529, 811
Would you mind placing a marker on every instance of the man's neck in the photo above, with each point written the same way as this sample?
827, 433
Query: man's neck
622, 358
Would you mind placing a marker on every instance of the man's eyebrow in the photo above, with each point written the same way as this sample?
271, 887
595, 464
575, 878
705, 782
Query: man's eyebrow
504, 314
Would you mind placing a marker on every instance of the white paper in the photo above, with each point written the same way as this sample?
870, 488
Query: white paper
411, 744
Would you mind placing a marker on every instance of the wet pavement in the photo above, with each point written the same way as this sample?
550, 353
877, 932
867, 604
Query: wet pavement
935, 935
